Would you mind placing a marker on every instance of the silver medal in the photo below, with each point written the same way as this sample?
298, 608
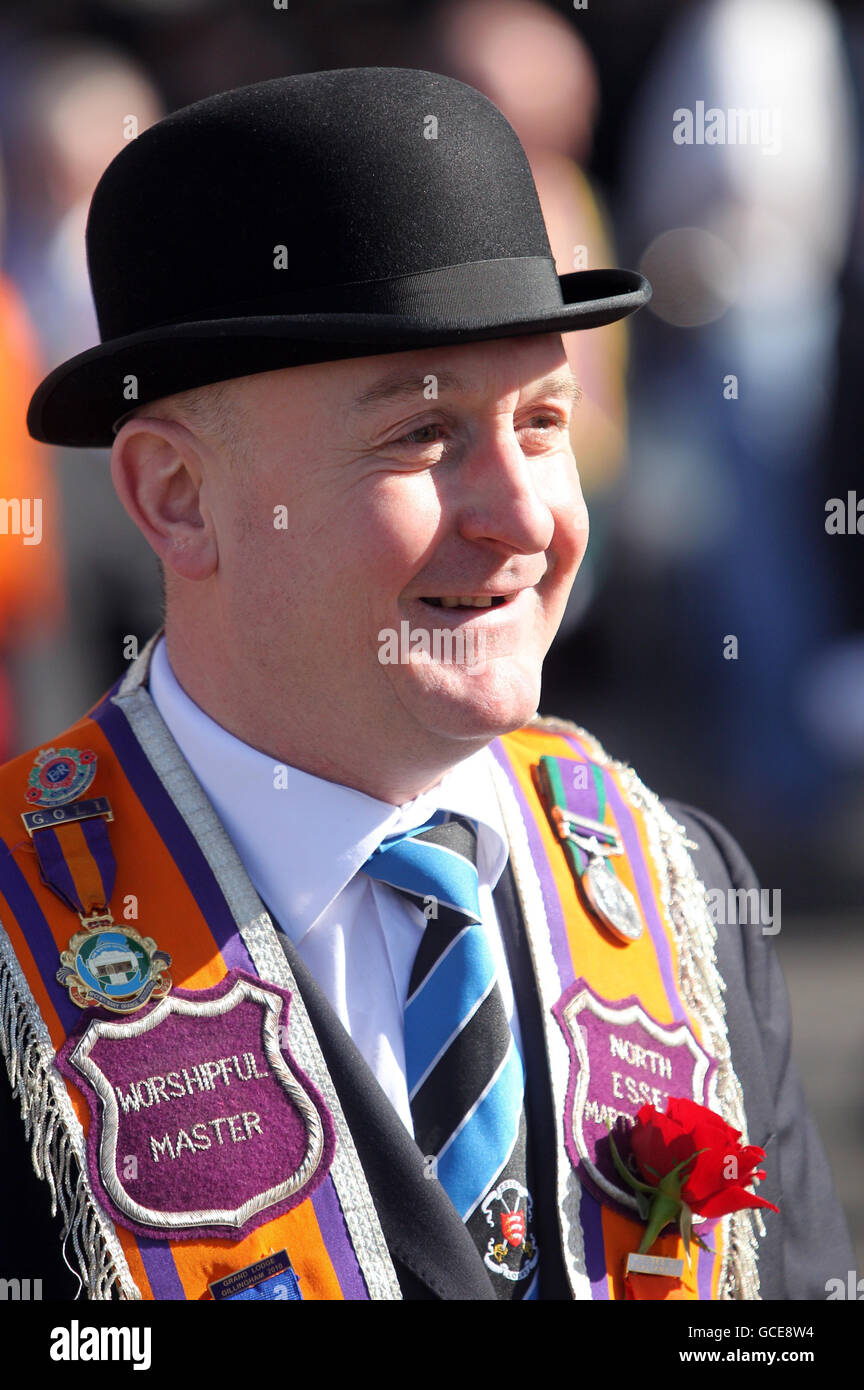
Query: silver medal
613, 903
606, 894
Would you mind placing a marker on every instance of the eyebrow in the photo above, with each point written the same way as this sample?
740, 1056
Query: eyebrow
397, 386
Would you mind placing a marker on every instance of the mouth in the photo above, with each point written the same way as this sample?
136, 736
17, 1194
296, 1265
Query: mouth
470, 602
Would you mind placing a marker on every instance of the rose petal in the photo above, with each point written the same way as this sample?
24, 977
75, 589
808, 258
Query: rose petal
706, 1179
733, 1199
692, 1116
657, 1143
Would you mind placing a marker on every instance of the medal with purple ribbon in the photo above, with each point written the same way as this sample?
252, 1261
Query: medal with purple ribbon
107, 965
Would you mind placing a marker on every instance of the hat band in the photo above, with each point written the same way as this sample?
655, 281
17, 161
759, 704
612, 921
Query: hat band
495, 291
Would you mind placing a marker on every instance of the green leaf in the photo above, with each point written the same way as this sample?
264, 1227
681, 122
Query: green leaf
673, 1172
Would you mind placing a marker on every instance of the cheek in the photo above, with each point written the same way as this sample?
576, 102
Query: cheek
361, 553
581, 526
396, 526
571, 530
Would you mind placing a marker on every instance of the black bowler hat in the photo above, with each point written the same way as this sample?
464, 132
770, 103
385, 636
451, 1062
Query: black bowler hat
307, 219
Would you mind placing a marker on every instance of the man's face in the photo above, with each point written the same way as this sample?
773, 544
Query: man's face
361, 503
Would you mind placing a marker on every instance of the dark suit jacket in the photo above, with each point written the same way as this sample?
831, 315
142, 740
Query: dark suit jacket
433, 1254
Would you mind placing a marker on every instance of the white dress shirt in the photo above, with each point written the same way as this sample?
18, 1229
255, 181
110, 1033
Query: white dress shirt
302, 840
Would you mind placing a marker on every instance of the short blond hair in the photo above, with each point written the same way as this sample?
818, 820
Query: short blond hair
213, 412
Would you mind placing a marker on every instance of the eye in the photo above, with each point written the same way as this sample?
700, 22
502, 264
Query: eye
552, 422
413, 437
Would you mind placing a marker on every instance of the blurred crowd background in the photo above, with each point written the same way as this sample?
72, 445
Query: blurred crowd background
715, 637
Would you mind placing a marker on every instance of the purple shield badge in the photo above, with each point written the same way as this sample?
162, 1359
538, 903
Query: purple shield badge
201, 1122
621, 1059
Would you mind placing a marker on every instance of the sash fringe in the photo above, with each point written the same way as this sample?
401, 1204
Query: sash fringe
56, 1144
685, 903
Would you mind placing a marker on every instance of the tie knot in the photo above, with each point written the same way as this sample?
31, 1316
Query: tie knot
437, 860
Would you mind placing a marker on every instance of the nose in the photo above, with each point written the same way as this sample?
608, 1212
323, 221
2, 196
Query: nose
500, 493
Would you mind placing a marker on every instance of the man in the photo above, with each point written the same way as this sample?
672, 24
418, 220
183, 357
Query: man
357, 961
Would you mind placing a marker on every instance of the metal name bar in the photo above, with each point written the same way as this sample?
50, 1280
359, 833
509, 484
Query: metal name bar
63, 815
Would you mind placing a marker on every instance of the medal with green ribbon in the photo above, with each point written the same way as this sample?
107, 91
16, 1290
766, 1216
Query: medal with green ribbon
575, 798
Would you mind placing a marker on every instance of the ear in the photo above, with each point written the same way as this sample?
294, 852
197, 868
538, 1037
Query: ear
158, 470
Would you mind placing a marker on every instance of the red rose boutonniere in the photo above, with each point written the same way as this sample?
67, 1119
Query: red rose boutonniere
691, 1162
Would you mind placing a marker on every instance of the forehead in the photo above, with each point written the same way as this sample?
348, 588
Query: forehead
360, 386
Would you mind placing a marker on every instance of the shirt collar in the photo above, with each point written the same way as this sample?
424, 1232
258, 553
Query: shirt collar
301, 838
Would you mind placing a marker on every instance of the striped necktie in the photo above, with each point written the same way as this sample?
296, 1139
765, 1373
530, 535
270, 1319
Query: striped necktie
465, 1076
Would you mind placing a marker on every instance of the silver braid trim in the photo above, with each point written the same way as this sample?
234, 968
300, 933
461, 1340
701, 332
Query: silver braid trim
684, 904
57, 1146
355, 1199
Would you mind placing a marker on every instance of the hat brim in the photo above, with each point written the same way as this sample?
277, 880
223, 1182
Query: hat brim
79, 401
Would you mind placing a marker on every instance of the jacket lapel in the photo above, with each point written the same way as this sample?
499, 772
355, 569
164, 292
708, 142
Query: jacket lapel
432, 1251
539, 1107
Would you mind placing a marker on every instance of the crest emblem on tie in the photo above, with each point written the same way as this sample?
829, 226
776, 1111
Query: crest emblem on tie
514, 1227
512, 1249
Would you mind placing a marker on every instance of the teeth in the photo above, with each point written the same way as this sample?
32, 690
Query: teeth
471, 601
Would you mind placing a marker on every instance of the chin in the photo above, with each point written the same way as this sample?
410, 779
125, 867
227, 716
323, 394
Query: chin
502, 697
